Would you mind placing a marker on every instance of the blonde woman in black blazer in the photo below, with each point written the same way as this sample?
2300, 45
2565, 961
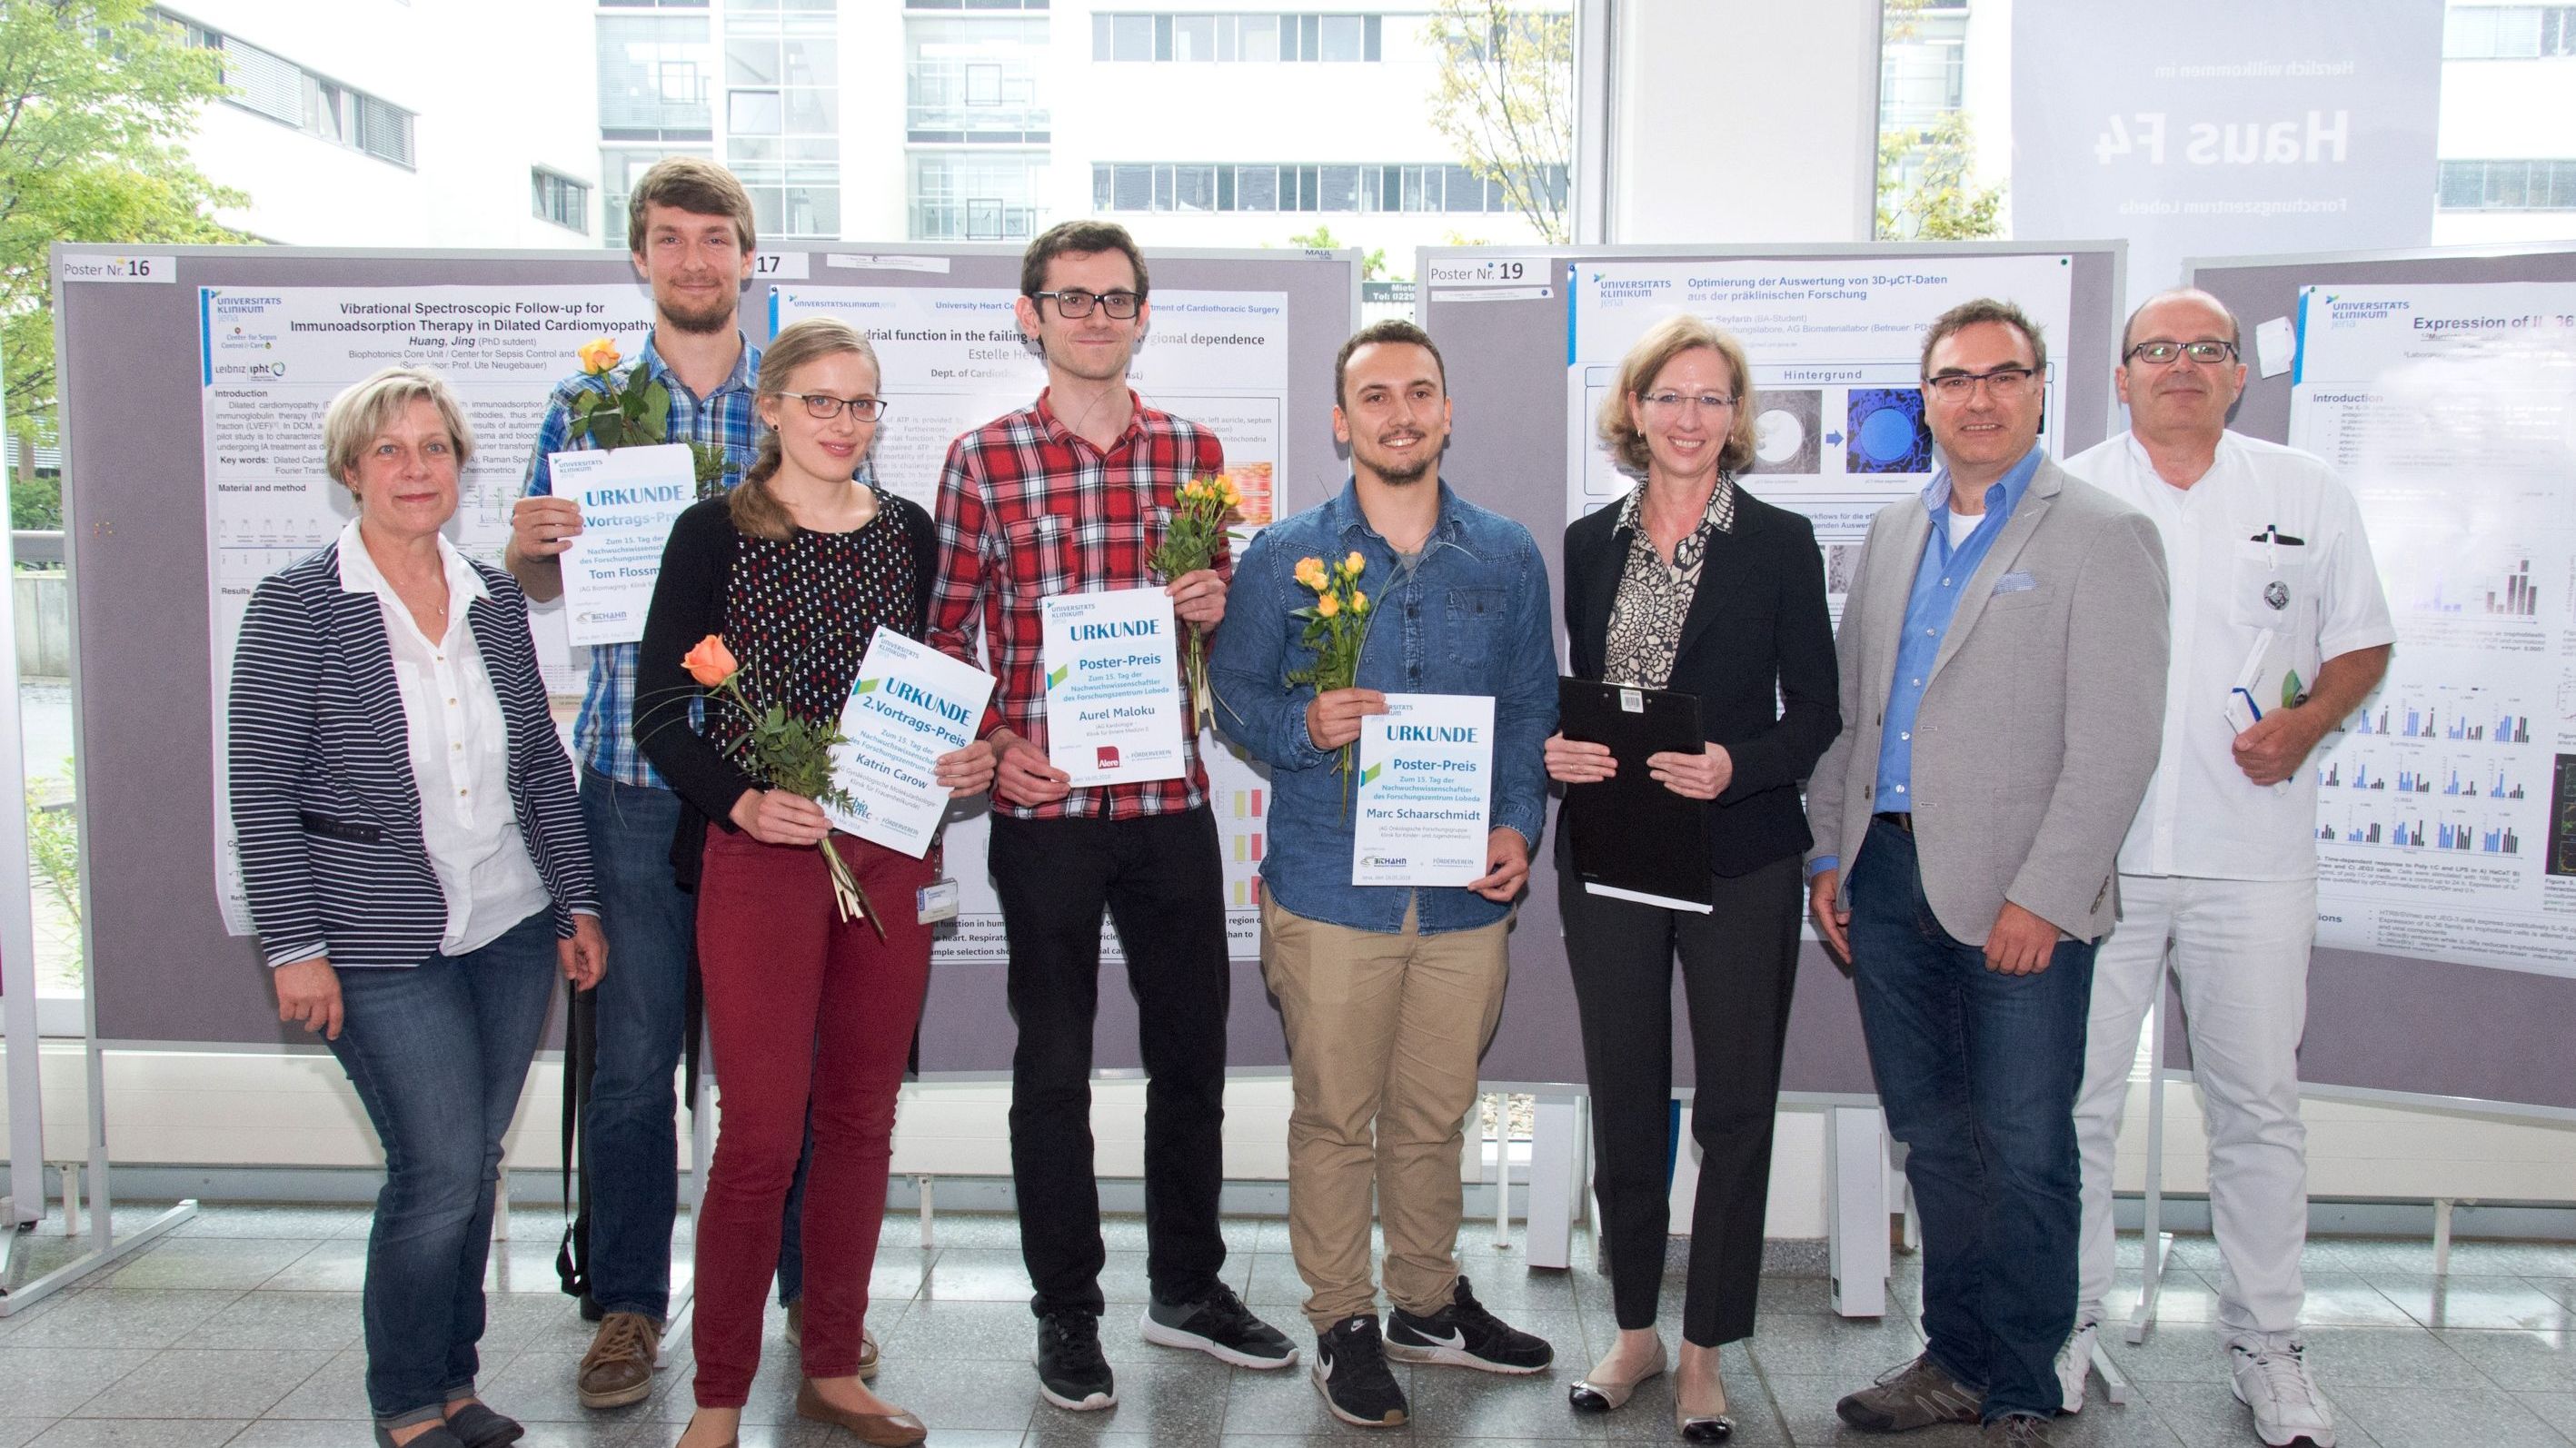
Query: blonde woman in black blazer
1691, 583
416, 868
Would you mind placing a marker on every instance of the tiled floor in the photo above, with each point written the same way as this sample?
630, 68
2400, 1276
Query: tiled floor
242, 1329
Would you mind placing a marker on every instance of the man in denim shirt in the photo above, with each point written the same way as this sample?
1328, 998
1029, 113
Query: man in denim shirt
1388, 993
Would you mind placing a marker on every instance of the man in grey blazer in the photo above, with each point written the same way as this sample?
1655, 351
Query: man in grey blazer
2003, 665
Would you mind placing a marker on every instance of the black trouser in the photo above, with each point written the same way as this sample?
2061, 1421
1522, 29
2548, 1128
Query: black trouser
1161, 882
1739, 968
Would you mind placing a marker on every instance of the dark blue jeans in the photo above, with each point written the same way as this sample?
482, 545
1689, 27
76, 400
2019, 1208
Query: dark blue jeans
632, 1128
439, 1053
1977, 1072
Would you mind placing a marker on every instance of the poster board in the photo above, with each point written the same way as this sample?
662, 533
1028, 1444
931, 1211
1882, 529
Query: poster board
2409, 997
1525, 355
154, 551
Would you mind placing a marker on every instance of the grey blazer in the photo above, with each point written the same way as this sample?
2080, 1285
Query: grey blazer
2040, 725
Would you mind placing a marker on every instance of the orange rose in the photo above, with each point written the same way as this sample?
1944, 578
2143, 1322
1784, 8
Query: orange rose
1328, 605
710, 663
1353, 564
599, 357
1310, 572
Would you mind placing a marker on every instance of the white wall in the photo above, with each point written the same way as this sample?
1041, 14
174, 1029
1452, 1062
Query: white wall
495, 88
1737, 121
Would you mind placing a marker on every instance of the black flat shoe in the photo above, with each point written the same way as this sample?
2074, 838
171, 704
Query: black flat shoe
438, 1437
477, 1426
1704, 1430
1597, 1392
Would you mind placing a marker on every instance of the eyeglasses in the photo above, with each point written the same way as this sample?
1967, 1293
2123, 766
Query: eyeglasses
823, 407
1070, 304
2001, 381
1670, 401
2163, 352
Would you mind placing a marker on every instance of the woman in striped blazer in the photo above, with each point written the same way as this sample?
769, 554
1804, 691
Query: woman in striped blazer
416, 867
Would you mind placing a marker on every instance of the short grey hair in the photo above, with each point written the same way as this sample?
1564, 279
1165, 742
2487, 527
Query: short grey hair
358, 415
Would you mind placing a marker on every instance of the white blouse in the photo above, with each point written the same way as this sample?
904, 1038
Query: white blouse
460, 755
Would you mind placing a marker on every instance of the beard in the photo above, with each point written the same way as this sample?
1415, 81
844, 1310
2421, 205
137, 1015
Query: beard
1395, 473
715, 317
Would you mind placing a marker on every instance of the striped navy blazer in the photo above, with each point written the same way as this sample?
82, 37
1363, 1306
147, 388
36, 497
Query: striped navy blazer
323, 797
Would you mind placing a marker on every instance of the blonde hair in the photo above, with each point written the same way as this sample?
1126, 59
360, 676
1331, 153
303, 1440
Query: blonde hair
1666, 340
361, 413
753, 504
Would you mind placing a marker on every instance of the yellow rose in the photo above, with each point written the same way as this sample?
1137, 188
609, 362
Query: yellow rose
1353, 564
1310, 572
1327, 605
1359, 602
599, 357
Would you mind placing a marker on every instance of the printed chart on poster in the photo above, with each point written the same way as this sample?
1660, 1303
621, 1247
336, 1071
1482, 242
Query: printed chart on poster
1835, 351
270, 361
2446, 806
954, 359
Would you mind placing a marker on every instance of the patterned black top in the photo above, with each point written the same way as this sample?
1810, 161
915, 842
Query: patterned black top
799, 616
1655, 596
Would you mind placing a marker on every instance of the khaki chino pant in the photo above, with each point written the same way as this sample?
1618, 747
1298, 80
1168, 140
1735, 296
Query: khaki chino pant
1384, 1031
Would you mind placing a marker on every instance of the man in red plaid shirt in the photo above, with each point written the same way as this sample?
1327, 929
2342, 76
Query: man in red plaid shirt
1070, 495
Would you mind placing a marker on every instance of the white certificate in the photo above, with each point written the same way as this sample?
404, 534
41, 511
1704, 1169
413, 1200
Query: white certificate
910, 705
629, 497
1425, 791
1113, 687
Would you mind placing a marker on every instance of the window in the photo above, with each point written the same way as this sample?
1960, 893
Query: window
983, 195
281, 90
620, 167
975, 81
559, 199
2508, 186
1923, 77
1424, 187
1255, 36
2508, 32
654, 77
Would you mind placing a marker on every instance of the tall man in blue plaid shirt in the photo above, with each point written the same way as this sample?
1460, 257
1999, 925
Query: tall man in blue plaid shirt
689, 225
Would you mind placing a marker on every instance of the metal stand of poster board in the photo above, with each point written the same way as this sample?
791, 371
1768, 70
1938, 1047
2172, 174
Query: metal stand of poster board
2395, 1029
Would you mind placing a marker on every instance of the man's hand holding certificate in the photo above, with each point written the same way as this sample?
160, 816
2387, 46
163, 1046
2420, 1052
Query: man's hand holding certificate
1425, 791
1113, 687
629, 498
911, 705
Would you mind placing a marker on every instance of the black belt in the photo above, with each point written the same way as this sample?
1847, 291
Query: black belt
1899, 818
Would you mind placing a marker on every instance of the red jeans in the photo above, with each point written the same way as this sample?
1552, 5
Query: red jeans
800, 1007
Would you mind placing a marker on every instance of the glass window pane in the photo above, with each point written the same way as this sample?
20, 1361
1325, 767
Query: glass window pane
1134, 37
1308, 27
1256, 188
1376, 37
814, 62
1260, 37
754, 113
1162, 188
1101, 43
812, 211
1341, 188
751, 62
1135, 188
2518, 32
2506, 184
1100, 187
814, 112
1462, 190
1162, 37
1345, 37
653, 72
1226, 36
2462, 185
1194, 188
1194, 37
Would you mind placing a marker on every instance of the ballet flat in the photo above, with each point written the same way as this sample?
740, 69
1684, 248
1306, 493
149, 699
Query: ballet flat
1598, 1394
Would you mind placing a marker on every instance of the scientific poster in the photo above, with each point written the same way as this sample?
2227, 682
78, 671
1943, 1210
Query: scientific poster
272, 358
2446, 806
1835, 346
954, 359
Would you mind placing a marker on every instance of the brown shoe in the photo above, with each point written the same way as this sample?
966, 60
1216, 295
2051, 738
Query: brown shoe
618, 1369
1913, 1396
891, 1430
867, 1356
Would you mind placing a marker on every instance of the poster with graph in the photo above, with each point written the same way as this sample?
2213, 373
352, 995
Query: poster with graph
2446, 806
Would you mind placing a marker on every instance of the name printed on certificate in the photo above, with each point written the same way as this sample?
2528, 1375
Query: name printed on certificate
910, 705
1425, 799
1113, 687
629, 498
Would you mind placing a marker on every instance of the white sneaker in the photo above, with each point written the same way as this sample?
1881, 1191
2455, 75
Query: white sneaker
2075, 1366
2272, 1379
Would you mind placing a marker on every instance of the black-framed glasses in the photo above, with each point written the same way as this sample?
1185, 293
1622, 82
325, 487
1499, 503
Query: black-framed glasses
823, 406
1670, 400
2204, 350
2001, 381
1075, 302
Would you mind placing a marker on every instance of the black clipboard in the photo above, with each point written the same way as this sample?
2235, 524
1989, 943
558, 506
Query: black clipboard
1631, 838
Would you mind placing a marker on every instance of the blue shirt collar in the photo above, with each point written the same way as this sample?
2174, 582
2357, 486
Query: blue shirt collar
2014, 483
738, 380
1347, 516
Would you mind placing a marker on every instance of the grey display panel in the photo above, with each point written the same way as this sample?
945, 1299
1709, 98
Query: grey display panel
164, 971
1507, 365
2460, 1033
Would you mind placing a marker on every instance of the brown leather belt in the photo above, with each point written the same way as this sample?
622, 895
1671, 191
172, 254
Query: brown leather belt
1899, 818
